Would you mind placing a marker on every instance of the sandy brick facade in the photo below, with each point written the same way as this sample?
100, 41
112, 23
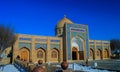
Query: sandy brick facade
28, 47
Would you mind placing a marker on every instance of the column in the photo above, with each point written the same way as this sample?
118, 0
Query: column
48, 53
61, 51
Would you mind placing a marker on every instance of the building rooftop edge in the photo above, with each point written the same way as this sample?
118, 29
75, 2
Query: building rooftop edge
37, 35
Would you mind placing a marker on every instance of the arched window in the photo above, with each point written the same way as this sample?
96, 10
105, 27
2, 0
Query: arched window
40, 54
54, 54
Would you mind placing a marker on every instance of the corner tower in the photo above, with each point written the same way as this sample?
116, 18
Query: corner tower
60, 25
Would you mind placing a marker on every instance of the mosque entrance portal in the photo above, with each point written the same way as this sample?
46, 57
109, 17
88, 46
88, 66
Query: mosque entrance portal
74, 53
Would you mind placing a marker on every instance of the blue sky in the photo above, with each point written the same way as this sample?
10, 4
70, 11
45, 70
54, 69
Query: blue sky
39, 17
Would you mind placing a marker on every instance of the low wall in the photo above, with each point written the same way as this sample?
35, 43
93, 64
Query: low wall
4, 61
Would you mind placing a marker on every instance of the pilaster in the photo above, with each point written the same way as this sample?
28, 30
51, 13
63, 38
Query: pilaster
84, 50
61, 50
15, 49
109, 49
102, 49
32, 50
48, 51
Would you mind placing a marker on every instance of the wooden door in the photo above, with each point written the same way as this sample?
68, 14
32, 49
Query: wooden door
24, 55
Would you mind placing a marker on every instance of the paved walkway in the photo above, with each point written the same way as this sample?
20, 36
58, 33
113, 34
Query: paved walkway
9, 68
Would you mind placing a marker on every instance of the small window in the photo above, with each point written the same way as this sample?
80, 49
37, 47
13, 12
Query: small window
54, 54
40, 54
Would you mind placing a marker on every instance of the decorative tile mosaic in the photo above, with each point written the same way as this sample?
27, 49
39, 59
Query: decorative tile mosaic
44, 46
91, 42
98, 42
99, 47
70, 34
55, 46
54, 40
106, 43
27, 39
22, 44
77, 30
106, 47
91, 46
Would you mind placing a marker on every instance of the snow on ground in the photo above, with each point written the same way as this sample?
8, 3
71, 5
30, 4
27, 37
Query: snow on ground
12, 68
78, 67
9, 68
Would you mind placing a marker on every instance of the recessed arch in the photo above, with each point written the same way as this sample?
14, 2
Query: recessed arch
24, 54
55, 54
106, 54
99, 54
78, 44
91, 53
24, 48
41, 54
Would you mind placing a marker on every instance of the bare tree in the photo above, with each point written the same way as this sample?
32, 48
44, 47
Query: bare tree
115, 46
7, 37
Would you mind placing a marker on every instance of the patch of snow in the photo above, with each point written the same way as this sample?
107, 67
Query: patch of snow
9, 68
78, 67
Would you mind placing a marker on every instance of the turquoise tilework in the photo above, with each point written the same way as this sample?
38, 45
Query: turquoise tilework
78, 30
99, 47
55, 46
91, 42
25, 39
98, 42
81, 35
87, 48
91, 46
79, 42
22, 44
54, 40
105, 47
37, 45
70, 35
78, 25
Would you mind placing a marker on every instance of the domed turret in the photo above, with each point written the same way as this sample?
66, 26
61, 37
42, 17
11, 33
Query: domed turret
60, 25
63, 21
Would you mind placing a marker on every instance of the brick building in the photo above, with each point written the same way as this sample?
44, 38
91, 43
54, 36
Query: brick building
71, 43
